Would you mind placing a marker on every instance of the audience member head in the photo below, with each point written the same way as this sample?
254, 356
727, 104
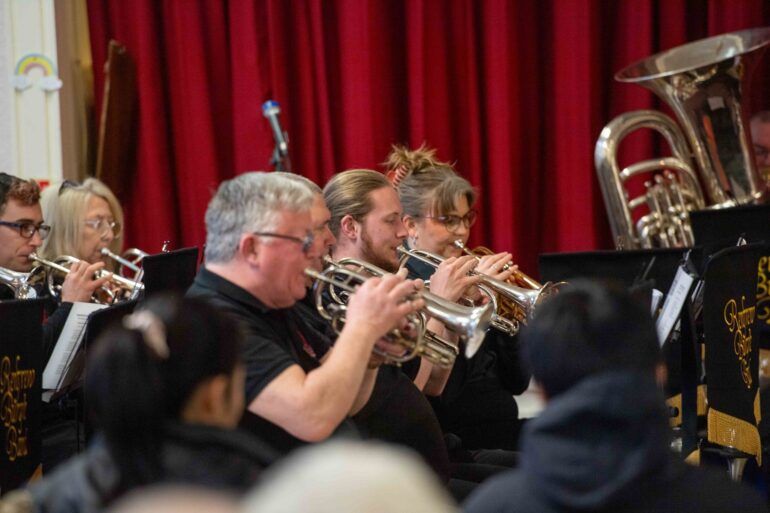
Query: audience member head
365, 217
350, 477
21, 222
259, 235
438, 203
589, 329
84, 219
175, 499
172, 360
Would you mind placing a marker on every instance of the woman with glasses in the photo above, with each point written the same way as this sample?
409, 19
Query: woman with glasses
85, 218
477, 403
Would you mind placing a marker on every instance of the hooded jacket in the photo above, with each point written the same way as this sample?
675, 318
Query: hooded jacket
603, 445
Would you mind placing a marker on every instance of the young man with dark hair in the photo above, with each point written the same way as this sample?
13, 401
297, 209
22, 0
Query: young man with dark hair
602, 442
22, 231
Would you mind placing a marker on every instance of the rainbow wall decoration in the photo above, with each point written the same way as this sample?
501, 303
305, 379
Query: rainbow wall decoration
30, 66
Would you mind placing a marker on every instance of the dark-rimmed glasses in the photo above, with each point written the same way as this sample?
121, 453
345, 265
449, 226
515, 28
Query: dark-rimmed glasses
27, 229
452, 222
306, 242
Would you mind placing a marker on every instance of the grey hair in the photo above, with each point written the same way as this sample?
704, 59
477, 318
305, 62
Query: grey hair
314, 187
250, 202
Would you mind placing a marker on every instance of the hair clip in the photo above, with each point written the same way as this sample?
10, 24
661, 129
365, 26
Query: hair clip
395, 176
152, 329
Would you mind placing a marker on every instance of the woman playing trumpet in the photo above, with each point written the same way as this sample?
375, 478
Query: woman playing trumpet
85, 218
477, 402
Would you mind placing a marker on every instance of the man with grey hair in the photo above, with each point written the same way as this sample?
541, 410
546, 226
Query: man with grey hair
259, 242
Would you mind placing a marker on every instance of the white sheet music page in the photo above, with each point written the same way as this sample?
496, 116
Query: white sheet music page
68, 344
672, 306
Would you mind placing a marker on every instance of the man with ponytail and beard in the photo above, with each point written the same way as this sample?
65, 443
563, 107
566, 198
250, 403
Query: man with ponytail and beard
166, 390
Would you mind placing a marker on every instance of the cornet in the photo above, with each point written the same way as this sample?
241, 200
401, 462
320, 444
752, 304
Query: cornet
124, 288
517, 277
338, 282
18, 282
526, 300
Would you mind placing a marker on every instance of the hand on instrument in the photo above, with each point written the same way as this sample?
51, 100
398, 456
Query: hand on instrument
380, 304
80, 283
452, 277
494, 266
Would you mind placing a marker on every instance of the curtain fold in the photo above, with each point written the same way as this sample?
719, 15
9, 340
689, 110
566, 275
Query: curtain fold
514, 92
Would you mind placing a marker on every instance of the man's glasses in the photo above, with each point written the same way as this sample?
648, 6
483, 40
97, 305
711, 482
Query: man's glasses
27, 228
103, 226
452, 222
306, 242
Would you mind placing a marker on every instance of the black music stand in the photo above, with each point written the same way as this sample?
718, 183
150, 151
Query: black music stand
21, 352
751, 222
97, 323
629, 268
173, 271
732, 355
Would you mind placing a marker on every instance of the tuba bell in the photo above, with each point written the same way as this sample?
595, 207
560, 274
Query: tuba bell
704, 83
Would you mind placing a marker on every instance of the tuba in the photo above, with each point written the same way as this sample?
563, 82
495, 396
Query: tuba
121, 288
704, 83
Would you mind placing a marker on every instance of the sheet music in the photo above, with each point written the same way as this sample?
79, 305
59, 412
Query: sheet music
55, 375
657, 297
672, 306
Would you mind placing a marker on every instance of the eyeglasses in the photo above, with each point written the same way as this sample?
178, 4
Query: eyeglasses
102, 226
306, 242
27, 229
452, 222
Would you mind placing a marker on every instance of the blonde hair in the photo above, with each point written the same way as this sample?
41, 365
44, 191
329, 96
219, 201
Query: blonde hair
64, 208
426, 184
347, 193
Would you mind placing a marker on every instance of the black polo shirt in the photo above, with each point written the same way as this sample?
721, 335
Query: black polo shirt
396, 412
272, 344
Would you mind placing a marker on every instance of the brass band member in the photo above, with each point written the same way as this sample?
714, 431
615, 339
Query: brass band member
259, 241
85, 218
366, 219
22, 232
477, 403
397, 411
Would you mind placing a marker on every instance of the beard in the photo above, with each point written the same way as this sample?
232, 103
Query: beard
371, 254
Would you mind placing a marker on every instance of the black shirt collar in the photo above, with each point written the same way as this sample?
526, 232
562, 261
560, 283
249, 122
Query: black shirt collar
225, 287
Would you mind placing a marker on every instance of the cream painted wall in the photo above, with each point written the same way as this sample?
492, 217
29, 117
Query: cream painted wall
30, 128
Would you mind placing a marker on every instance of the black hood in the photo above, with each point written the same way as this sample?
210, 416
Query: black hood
593, 443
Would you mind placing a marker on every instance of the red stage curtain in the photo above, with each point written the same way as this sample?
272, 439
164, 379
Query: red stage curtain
514, 92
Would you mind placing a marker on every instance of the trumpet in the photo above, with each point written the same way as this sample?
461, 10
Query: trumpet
18, 282
525, 300
517, 278
123, 287
338, 281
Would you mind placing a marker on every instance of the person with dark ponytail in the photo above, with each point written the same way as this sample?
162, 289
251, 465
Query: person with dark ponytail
166, 391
